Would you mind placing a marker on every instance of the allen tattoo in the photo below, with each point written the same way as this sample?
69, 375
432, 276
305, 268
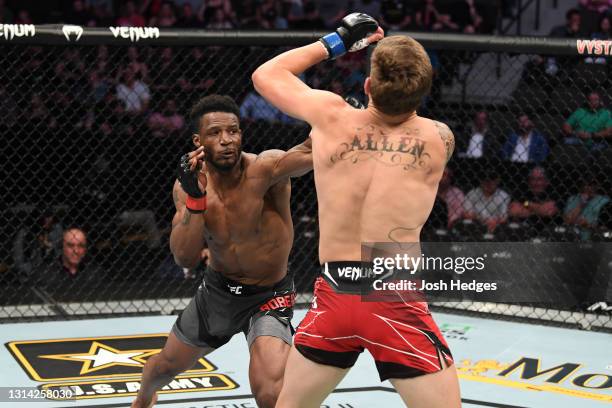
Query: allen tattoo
402, 149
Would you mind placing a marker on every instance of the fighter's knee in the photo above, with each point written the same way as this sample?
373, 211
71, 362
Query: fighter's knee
266, 392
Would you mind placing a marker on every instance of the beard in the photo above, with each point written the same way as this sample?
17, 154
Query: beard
224, 164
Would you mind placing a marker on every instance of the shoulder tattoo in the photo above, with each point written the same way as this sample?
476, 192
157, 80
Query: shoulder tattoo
447, 137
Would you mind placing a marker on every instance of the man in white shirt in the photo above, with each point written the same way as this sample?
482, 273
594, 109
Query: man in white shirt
476, 144
133, 93
487, 203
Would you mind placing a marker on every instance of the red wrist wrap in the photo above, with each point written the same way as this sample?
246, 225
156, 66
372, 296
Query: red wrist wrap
196, 204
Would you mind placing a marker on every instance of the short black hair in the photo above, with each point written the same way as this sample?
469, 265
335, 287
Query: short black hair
211, 103
571, 12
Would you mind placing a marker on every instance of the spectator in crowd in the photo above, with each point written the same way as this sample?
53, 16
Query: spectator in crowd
99, 86
598, 6
36, 243
535, 206
527, 145
38, 114
255, 107
590, 125
166, 16
102, 59
601, 33
488, 203
188, 19
431, 18
140, 68
133, 93
572, 26
102, 15
582, 210
571, 29
269, 16
478, 144
79, 14
219, 21
23, 17
139, 225
452, 197
332, 11
397, 15
66, 276
6, 15
208, 12
369, 7
150, 8
200, 75
246, 13
465, 14
603, 29
308, 19
168, 122
129, 16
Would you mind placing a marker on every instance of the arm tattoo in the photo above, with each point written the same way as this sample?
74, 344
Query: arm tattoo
186, 217
447, 137
175, 197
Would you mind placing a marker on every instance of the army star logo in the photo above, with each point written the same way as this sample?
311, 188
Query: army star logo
101, 356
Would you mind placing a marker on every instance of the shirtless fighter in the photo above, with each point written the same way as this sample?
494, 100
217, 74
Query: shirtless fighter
239, 204
376, 172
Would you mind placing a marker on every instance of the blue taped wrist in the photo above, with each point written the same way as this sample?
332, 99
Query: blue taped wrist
334, 45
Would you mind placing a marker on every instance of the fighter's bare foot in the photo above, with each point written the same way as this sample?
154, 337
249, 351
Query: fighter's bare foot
137, 404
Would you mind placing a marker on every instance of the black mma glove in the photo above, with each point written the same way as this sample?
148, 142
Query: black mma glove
196, 199
354, 102
350, 36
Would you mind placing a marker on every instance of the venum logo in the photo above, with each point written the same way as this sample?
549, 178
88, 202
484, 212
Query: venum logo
354, 272
69, 30
10, 31
134, 34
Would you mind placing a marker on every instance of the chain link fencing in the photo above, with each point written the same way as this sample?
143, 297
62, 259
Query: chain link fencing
92, 135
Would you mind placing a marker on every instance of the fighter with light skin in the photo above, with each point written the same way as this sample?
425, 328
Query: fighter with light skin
376, 172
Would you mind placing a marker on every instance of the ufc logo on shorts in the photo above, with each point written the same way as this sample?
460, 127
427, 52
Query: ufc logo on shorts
237, 290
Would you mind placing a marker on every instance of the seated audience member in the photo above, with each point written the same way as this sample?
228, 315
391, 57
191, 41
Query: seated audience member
602, 32
582, 210
255, 107
134, 94
167, 122
452, 197
166, 16
527, 145
598, 6
129, 16
590, 125
479, 142
487, 203
36, 243
535, 207
571, 29
69, 275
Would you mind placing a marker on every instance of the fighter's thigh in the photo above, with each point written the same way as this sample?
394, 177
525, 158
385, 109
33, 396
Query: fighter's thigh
306, 384
268, 358
435, 390
177, 356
